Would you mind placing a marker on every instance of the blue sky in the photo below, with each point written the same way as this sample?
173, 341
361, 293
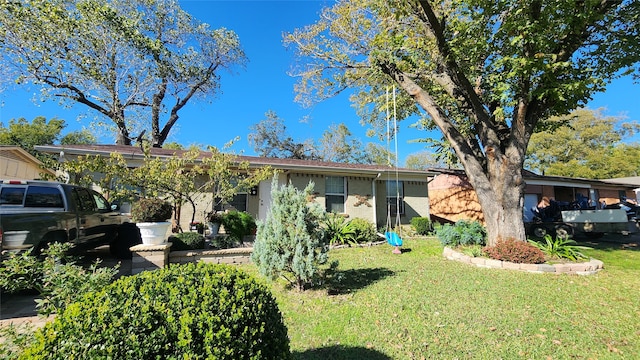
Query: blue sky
264, 85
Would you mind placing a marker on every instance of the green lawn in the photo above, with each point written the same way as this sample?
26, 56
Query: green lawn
419, 305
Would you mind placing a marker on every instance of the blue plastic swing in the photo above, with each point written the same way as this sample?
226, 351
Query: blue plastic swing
393, 238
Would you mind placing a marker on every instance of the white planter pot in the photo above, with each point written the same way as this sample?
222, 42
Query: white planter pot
15, 240
154, 233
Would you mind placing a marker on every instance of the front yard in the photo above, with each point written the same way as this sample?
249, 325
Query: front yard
419, 305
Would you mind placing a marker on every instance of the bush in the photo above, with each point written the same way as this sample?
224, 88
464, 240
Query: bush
191, 311
57, 278
291, 240
20, 272
151, 210
421, 225
464, 232
364, 230
515, 251
238, 224
186, 241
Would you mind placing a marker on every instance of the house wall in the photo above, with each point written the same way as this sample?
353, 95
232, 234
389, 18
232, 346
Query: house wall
416, 202
612, 196
359, 202
453, 198
14, 167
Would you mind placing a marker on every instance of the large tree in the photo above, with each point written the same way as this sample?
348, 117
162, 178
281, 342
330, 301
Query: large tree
136, 63
270, 138
585, 144
40, 131
484, 72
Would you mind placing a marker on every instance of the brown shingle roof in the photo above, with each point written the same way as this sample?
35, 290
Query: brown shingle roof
135, 151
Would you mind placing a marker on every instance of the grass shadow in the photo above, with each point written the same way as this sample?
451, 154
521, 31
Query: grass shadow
347, 281
339, 352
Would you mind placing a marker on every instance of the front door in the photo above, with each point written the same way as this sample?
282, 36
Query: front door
264, 196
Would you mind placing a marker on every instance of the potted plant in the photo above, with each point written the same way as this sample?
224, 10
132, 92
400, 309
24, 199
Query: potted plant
213, 222
152, 218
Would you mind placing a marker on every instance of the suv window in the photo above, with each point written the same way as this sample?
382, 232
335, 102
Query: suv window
11, 195
43, 196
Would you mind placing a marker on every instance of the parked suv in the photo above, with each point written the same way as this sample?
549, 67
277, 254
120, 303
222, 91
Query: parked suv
36, 213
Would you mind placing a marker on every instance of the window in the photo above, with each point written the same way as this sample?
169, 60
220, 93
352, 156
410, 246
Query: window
238, 202
42, 196
101, 202
11, 195
86, 201
395, 197
334, 194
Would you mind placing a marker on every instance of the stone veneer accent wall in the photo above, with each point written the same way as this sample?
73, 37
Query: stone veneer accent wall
224, 256
152, 257
586, 268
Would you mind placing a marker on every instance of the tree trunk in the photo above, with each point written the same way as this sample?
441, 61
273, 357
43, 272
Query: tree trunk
122, 139
500, 191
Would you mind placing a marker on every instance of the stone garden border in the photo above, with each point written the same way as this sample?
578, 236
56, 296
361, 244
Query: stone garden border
151, 257
585, 268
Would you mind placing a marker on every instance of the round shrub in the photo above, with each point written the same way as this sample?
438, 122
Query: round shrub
151, 210
421, 225
238, 224
186, 241
515, 251
191, 311
463, 232
364, 230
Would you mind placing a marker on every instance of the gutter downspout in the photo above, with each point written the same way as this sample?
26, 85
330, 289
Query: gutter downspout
375, 200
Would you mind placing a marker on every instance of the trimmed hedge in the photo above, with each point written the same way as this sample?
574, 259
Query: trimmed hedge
191, 311
238, 224
186, 241
421, 225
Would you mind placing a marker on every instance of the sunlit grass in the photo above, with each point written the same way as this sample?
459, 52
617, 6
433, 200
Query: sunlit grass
420, 305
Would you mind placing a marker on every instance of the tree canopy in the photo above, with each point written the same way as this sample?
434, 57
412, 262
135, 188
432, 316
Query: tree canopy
484, 73
584, 144
270, 138
134, 63
39, 131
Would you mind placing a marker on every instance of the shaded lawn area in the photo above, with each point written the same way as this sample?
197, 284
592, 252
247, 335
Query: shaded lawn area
419, 305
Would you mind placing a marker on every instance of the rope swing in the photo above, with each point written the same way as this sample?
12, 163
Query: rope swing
393, 232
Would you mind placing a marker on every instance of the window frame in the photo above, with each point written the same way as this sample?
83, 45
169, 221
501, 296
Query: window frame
392, 199
328, 194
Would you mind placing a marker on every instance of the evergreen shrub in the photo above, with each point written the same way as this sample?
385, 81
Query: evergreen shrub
190, 311
186, 241
364, 230
291, 239
463, 232
515, 251
238, 224
421, 225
